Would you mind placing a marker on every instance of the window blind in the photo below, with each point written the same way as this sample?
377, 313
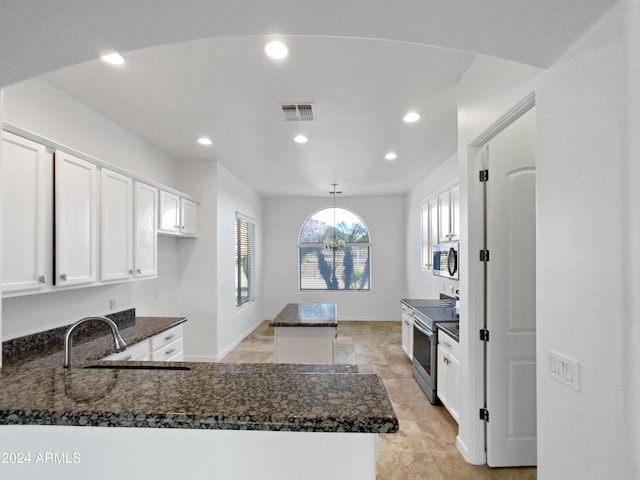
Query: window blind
245, 260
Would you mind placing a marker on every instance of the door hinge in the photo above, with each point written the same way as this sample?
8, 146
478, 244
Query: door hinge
484, 335
484, 414
484, 255
484, 175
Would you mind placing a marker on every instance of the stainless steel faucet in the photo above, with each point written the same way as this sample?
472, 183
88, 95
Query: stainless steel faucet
118, 342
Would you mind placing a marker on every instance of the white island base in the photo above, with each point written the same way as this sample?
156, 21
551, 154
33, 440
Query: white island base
57, 452
304, 344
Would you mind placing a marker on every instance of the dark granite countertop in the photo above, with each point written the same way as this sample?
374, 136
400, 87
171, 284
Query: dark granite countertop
425, 302
307, 315
199, 396
45, 349
451, 328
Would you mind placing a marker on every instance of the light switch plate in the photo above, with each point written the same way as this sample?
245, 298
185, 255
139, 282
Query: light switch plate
564, 369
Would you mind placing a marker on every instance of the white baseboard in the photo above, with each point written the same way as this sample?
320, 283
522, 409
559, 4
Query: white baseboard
467, 454
237, 341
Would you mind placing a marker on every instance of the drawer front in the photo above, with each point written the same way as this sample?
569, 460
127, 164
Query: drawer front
168, 352
165, 338
137, 351
448, 343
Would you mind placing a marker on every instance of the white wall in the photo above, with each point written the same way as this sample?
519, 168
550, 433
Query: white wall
487, 91
383, 216
38, 106
587, 119
1, 117
234, 324
197, 288
421, 283
583, 214
631, 360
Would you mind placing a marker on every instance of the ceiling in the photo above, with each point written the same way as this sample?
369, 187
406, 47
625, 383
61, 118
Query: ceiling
362, 69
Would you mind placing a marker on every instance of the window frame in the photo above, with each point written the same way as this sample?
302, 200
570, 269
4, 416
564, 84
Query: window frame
246, 224
320, 245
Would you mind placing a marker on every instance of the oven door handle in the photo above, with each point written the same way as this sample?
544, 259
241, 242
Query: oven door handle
422, 327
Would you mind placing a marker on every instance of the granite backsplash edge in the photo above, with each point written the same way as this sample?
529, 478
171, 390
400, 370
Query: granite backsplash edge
51, 340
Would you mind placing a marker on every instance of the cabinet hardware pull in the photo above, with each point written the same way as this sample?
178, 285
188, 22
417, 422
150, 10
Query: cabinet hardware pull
42, 279
131, 271
63, 276
170, 351
139, 271
170, 336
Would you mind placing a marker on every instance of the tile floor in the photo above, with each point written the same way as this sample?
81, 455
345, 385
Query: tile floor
424, 448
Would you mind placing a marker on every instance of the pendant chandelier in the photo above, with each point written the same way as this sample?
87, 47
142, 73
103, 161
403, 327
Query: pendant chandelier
334, 244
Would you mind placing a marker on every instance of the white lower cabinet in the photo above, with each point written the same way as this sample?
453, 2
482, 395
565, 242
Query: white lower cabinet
166, 347
407, 331
448, 387
137, 352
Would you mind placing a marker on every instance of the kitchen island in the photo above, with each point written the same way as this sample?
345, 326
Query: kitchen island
199, 420
305, 333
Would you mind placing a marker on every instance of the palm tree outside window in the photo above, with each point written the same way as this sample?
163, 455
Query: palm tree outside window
323, 268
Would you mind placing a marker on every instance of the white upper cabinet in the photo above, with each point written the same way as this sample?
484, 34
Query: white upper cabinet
169, 212
146, 238
455, 213
449, 215
116, 226
178, 215
75, 220
72, 221
25, 185
188, 217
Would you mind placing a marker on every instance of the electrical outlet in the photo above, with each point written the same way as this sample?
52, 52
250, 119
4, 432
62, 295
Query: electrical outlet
564, 369
112, 304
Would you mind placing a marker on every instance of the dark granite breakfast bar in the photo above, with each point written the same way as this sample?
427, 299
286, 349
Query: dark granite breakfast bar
212, 420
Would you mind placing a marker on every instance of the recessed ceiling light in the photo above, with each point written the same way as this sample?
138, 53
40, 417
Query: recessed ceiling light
411, 117
276, 50
301, 139
113, 58
391, 156
205, 141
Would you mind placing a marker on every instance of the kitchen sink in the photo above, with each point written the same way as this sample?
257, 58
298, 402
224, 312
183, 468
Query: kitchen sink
139, 367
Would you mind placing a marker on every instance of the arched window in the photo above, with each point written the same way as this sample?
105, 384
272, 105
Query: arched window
334, 251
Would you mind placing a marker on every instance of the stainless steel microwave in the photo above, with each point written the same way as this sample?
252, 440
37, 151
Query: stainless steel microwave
446, 260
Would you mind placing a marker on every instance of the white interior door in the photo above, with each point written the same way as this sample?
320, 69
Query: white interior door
511, 293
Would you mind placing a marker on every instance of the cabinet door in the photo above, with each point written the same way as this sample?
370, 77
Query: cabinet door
75, 220
442, 386
116, 226
455, 213
433, 231
146, 238
454, 387
26, 180
189, 217
169, 212
444, 216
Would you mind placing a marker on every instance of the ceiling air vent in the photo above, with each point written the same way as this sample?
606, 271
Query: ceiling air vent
297, 112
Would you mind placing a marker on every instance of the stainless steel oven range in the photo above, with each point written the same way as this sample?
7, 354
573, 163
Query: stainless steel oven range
425, 342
